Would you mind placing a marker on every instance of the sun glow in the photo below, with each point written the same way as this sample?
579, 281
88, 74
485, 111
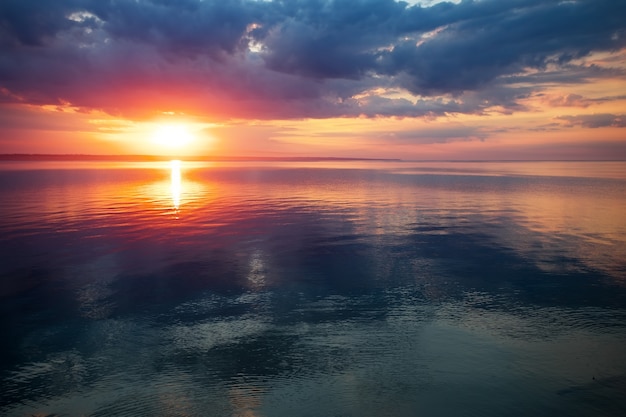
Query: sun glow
172, 136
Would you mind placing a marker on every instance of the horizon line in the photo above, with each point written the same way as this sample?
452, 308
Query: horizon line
226, 158
148, 158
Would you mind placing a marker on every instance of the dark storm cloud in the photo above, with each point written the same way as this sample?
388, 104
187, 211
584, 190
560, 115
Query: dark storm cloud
332, 39
300, 58
474, 52
31, 22
183, 27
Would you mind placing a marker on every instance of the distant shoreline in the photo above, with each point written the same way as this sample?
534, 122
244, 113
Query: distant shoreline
218, 158
157, 158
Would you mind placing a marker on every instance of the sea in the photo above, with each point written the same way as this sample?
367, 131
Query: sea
312, 288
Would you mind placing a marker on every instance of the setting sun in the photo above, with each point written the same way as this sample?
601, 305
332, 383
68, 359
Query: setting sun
172, 136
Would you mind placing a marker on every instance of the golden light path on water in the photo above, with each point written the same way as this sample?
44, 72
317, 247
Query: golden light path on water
176, 183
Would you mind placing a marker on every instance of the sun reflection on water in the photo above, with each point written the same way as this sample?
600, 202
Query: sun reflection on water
176, 183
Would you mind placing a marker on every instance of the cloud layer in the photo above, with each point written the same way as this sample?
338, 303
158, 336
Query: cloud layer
302, 58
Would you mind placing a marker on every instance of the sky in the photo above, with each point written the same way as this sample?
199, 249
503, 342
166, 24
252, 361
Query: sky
482, 79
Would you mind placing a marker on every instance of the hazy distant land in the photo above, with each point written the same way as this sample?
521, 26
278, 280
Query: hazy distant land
149, 158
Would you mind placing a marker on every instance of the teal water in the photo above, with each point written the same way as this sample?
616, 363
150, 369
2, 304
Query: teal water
319, 289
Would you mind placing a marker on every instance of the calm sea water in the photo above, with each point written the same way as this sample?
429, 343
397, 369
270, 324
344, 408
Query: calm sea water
327, 289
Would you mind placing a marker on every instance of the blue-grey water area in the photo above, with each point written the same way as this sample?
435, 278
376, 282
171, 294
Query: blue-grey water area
313, 289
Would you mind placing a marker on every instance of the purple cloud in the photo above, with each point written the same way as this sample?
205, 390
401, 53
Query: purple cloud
300, 58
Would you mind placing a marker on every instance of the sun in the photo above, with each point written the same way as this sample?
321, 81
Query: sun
172, 136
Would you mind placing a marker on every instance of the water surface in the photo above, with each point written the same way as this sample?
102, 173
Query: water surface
317, 289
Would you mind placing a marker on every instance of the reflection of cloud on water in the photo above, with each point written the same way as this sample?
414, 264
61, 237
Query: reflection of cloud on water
203, 336
318, 357
322, 304
93, 280
246, 398
257, 270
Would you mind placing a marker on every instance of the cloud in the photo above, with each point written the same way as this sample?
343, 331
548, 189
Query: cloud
301, 58
425, 134
33, 22
566, 100
595, 120
496, 42
436, 135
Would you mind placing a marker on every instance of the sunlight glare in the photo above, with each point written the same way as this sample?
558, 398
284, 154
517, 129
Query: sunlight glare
172, 136
176, 186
